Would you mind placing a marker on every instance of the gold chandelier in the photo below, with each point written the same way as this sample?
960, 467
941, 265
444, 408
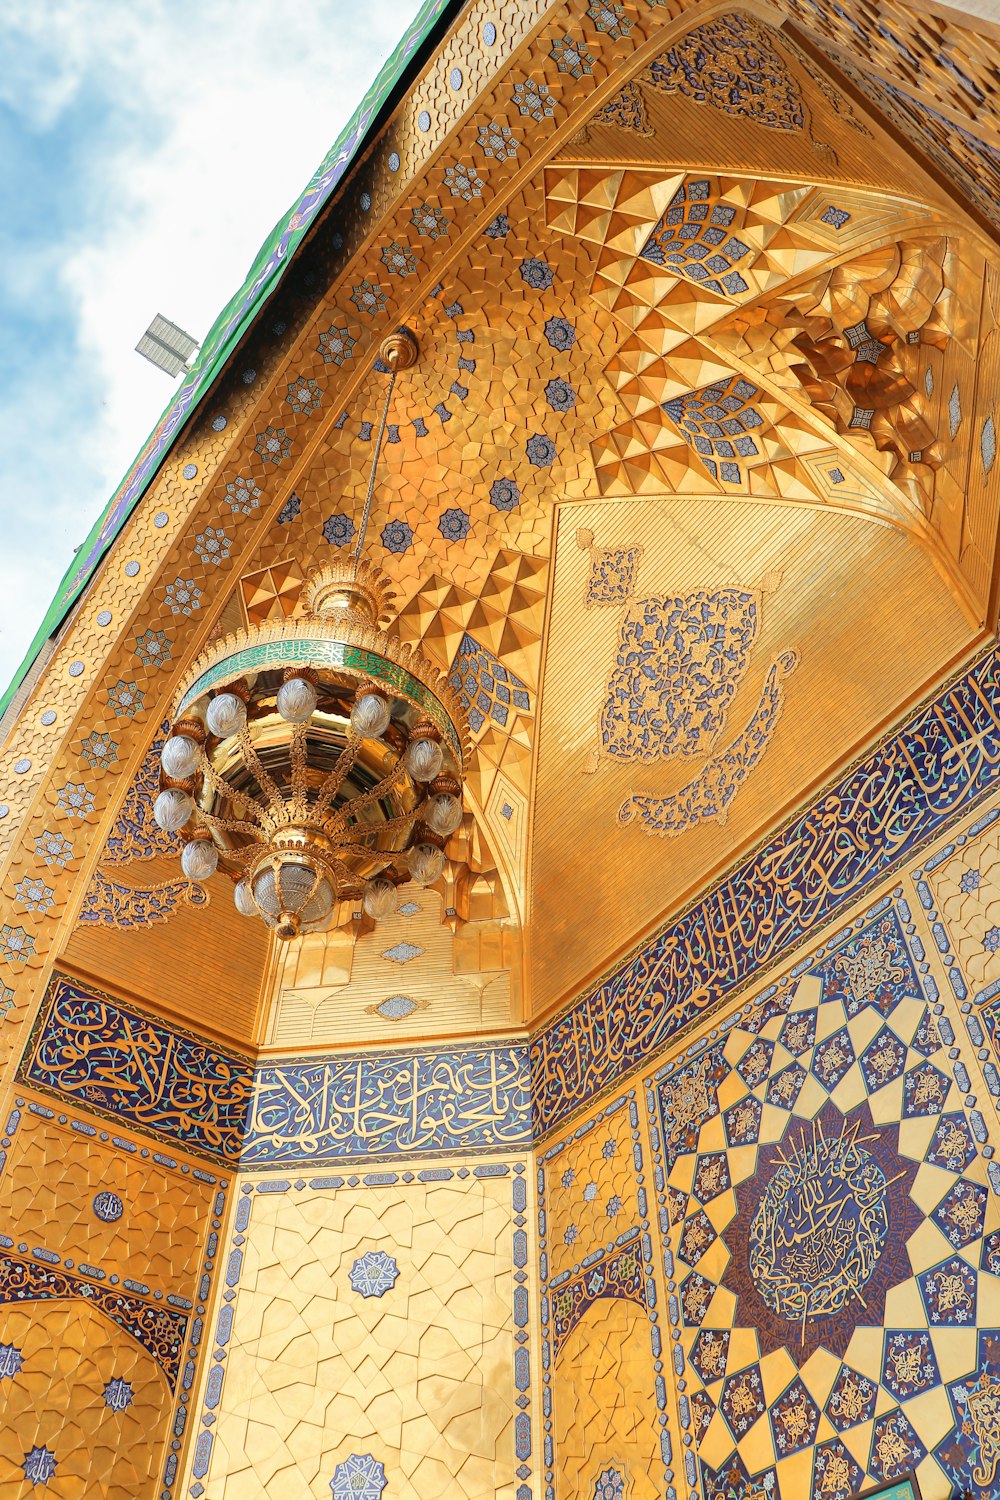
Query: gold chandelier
318, 760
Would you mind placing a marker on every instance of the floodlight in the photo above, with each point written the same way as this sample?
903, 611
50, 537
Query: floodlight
167, 346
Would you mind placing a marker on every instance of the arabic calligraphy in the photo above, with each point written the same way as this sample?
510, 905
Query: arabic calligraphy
711, 793
337, 1107
982, 1408
123, 1064
821, 1227
820, 1232
866, 825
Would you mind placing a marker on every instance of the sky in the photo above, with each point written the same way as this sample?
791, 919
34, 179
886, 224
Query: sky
147, 150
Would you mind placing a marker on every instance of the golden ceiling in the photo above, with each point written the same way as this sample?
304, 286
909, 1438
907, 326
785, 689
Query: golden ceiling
692, 491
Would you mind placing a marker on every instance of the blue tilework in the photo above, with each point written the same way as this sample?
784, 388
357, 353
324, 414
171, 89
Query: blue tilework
159, 1330
876, 817
489, 691
120, 1063
327, 1108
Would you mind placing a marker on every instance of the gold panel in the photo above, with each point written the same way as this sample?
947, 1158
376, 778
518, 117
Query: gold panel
69, 1355
605, 1416
204, 968
412, 976
844, 585
47, 1194
420, 1376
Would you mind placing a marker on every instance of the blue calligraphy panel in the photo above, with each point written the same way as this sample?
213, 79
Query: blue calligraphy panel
90, 1050
878, 816
333, 1108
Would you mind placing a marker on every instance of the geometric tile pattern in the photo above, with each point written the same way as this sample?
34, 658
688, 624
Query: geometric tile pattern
792, 1277
692, 240
487, 689
716, 421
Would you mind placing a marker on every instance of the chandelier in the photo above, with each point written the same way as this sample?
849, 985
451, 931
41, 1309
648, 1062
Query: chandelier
318, 759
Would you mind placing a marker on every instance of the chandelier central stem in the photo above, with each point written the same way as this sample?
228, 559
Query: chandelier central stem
363, 528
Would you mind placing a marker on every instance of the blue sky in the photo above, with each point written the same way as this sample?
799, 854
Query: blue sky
147, 150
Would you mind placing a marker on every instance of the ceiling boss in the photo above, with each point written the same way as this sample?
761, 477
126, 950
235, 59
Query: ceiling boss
318, 759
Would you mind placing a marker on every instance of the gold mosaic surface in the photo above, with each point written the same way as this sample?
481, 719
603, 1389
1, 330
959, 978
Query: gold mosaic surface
827, 601
539, 477
47, 1194
421, 1375
70, 1354
564, 253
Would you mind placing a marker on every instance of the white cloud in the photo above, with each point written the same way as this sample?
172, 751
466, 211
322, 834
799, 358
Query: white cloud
196, 125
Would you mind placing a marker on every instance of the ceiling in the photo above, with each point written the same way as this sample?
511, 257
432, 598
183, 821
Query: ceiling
695, 462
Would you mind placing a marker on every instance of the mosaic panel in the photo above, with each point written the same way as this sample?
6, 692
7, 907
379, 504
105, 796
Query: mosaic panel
338, 1108
57, 1179
591, 1191
838, 1278
78, 1388
425, 1386
88, 1049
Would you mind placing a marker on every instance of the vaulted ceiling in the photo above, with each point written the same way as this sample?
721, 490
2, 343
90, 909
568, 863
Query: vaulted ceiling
692, 491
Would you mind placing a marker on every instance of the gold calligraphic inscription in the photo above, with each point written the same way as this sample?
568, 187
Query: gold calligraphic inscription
908, 1365
870, 968
697, 1236
690, 1100
836, 1475
835, 1056
893, 1450
712, 1177
743, 1120
797, 1033
952, 1143
796, 1422
696, 1300
851, 1401
928, 1090
784, 1087
982, 1410
952, 1292
742, 1399
964, 1211
883, 1061
713, 1357
821, 1226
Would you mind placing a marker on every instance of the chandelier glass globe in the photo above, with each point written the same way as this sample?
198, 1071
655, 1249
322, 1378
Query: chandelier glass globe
172, 809
226, 715
297, 699
370, 715
424, 759
180, 757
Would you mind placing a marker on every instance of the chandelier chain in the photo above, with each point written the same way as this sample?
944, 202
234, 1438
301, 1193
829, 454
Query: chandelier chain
365, 514
345, 763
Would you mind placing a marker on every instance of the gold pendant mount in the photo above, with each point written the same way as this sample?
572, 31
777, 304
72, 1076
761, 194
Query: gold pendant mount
399, 350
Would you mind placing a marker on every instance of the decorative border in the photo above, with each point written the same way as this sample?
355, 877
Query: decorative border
319, 652
594, 1276
159, 1330
882, 811
129, 1067
388, 1104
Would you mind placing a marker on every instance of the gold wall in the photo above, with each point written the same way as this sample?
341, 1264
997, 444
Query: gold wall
373, 1318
